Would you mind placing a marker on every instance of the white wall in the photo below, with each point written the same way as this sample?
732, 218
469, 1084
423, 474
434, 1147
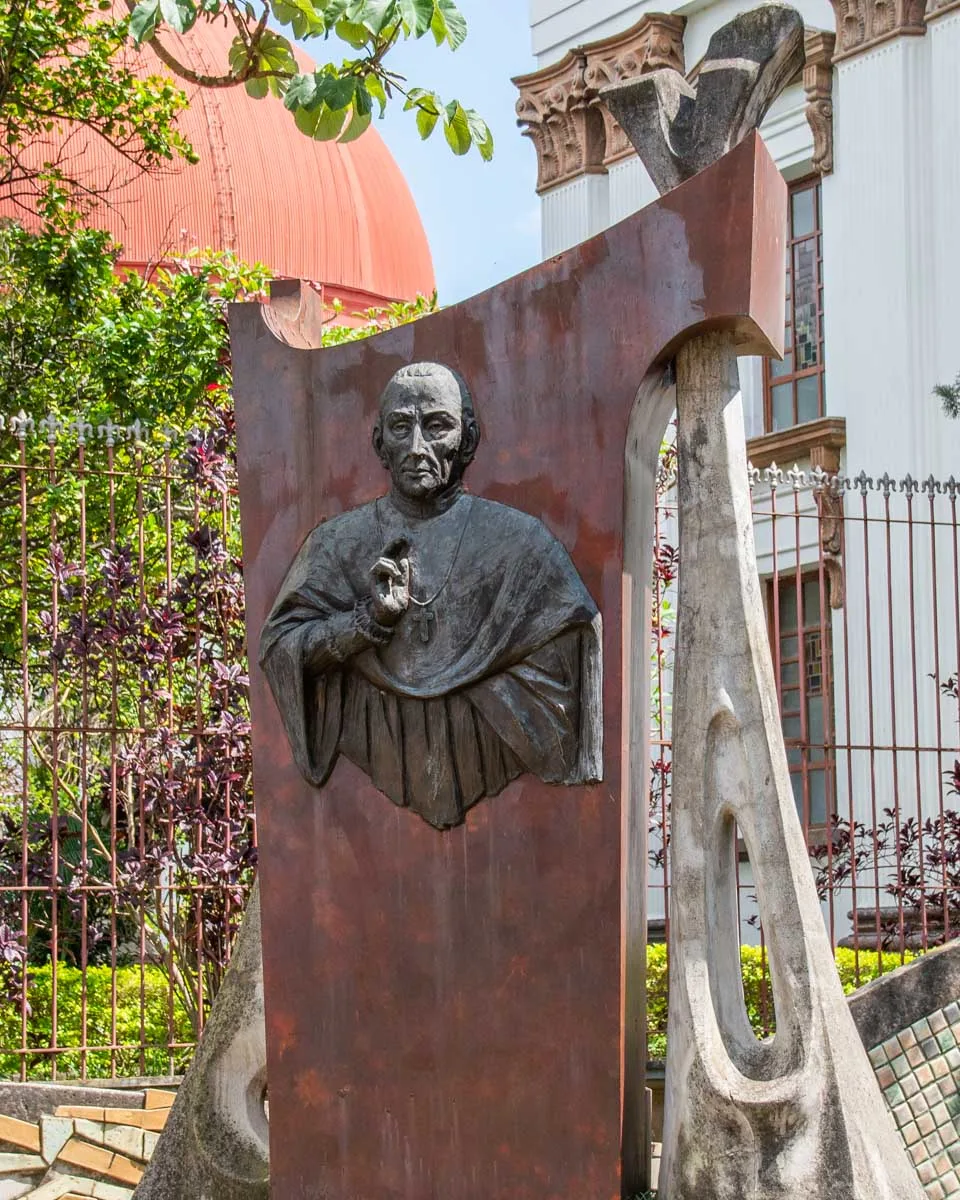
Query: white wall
559, 25
891, 247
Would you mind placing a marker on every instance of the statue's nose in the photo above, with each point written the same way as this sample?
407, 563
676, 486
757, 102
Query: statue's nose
417, 442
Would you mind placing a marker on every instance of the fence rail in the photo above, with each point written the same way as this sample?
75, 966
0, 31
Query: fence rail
127, 833
127, 840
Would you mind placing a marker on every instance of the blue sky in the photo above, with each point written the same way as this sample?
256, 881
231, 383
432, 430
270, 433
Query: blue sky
482, 219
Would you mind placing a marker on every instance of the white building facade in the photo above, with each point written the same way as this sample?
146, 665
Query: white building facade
865, 619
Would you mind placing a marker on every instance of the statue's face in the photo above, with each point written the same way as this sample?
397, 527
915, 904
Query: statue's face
420, 435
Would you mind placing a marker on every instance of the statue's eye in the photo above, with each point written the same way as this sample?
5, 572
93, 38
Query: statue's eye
400, 428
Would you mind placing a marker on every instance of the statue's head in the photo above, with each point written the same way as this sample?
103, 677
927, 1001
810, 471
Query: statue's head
426, 433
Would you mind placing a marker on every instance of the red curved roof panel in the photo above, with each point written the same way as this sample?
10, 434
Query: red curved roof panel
340, 215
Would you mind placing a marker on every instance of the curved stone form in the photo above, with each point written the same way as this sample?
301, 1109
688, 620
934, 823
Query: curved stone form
215, 1144
799, 1114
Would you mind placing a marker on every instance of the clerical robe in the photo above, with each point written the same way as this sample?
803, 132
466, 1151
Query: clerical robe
507, 681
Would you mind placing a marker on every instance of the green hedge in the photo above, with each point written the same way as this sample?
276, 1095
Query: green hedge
145, 1040
855, 970
145, 1045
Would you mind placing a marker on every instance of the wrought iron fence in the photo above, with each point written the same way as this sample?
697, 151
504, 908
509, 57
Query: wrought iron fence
863, 607
127, 834
127, 840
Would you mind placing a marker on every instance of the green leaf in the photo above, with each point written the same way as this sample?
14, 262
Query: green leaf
237, 57
417, 15
302, 17
352, 33
420, 98
301, 92
276, 53
454, 21
456, 128
322, 124
143, 21
375, 87
362, 102
257, 88
374, 14
180, 15
358, 124
426, 122
480, 132
337, 92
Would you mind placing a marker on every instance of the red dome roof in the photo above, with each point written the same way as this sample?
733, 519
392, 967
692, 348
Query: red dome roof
339, 215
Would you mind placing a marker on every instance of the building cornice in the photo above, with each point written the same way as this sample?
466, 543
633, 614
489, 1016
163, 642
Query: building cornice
863, 24
819, 441
940, 8
559, 107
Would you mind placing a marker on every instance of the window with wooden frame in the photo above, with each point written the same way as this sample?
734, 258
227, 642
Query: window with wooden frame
793, 390
803, 659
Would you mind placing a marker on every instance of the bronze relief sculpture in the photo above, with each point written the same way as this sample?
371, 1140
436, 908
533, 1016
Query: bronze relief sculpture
442, 642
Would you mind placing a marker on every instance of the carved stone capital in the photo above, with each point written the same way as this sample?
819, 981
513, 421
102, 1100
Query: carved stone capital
818, 85
554, 112
559, 107
654, 43
862, 24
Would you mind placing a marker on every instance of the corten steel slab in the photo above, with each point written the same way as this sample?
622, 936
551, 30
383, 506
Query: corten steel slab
445, 1011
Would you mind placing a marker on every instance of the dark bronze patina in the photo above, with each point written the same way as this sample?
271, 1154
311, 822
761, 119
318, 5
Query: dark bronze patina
460, 1015
442, 642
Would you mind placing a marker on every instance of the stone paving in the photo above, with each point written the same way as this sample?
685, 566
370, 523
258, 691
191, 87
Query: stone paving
80, 1151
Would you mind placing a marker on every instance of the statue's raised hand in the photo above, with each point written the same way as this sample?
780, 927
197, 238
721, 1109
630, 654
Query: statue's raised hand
390, 597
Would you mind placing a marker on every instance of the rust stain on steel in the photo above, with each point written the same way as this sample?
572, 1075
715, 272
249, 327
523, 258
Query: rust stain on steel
444, 1010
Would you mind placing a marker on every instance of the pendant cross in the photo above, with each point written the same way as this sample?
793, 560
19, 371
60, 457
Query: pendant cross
424, 618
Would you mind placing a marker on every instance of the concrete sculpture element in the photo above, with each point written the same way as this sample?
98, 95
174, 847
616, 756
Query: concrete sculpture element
215, 1143
798, 1116
459, 1013
445, 696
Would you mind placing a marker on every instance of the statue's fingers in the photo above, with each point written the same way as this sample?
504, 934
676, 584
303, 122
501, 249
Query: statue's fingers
405, 573
386, 568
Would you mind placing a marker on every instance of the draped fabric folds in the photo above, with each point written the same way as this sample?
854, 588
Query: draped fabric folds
508, 682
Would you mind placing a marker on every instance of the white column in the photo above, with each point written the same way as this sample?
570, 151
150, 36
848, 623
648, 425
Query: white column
573, 212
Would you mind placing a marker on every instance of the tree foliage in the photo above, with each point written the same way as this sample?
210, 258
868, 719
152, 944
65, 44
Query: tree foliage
337, 100
62, 66
66, 64
949, 396
134, 634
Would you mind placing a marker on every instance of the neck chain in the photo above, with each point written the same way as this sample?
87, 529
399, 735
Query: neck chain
468, 502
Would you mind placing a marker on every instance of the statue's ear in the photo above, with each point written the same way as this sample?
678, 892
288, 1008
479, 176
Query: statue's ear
469, 441
377, 440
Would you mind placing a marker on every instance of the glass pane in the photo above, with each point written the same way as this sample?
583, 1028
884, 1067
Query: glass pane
782, 368
811, 601
816, 734
790, 674
804, 220
805, 315
788, 608
817, 786
791, 728
808, 399
789, 648
781, 405
790, 704
794, 756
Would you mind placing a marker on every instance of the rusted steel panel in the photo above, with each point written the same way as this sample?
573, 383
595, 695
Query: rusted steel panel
445, 1010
